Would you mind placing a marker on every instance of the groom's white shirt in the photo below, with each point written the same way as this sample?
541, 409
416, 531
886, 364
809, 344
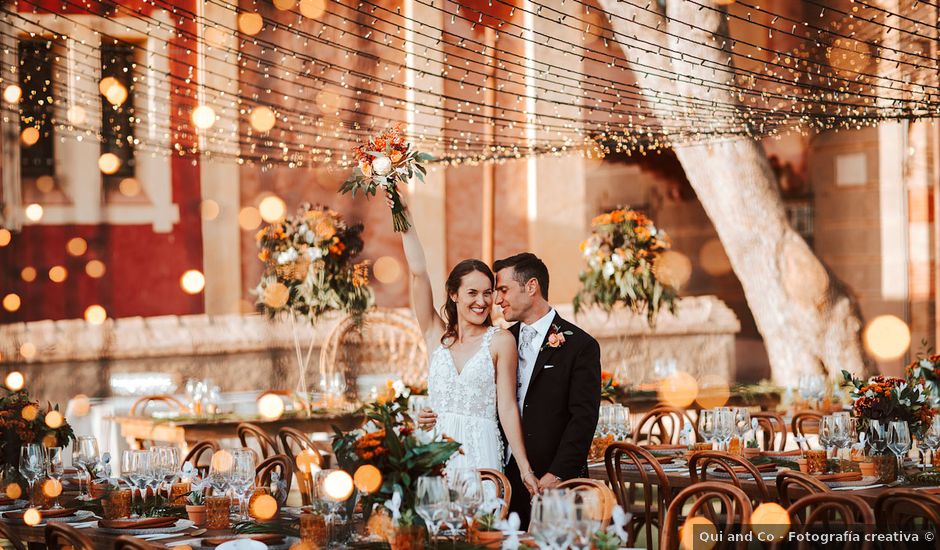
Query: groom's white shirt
528, 356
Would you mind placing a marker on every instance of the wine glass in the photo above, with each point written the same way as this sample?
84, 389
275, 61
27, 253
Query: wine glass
242, 478
87, 459
931, 440
55, 469
129, 472
220, 471
551, 520
826, 432
621, 422
899, 441
742, 424
586, 518
32, 465
724, 426
877, 436
467, 491
432, 499
706, 424
166, 463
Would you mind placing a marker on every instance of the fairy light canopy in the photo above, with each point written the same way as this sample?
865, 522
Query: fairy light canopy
316, 77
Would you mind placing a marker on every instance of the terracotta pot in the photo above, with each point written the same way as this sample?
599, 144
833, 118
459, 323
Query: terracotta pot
867, 468
751, 452
197, 514
408, 538
803, 464
489, 539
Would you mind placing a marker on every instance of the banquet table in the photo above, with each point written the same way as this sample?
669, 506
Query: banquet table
680, 480
187, 430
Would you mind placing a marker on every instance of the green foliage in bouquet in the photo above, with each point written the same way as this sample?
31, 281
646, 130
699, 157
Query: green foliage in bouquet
890, 398
402, 453
623, 265
309, 266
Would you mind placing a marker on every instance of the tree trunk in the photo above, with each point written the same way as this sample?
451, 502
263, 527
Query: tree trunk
808, 321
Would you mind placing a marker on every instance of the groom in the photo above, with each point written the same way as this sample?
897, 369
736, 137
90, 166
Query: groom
559, 380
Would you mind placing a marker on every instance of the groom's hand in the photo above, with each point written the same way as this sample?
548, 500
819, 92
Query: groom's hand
427, 419
549, 481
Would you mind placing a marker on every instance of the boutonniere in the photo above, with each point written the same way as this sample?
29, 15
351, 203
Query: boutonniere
556, 337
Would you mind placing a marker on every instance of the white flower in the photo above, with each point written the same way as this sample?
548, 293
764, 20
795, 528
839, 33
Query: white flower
381, 165
287, 256
315, 252
401, 390
617, 260
608, 269
618, 520
510, 526
425, 437
394, 506
869, 393
309, 236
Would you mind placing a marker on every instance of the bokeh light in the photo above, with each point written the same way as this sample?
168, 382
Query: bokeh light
12, 94
95, 269
12, 302
263, 507
129, 187
209, 209
29, 136
714, 391
673, 268
28, 274
109, 163
80, 405
262, 118
32, 517
308, 461
312, 9
116, 94
222, 461
713, 259
51, 488
249, 218
193, 281
678, 390
95, 314
30, 412
338, 485
368, 479
76, 246
272, 208
76, 115
270, 406
285, 5
106, 83
772, 519
28, 350
13, 490
386, 270
58, 274
887, 337
5, 237
54, 419
34, 212
203, 117
45, 184
694, 530
15, 381
250, 23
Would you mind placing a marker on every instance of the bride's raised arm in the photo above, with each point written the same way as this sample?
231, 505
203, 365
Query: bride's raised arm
422, 296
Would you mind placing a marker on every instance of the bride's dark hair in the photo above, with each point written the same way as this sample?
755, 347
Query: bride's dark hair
452, 286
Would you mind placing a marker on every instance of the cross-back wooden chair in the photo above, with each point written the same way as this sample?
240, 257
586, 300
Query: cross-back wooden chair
806, 423
908, 510
293, 442
127, 542
199, 451
662, 425
723, 504
276, 463
605, 497
773, 425
502, 486
628, 459
734, 466
248, 433
793, 485
61, 535
829, 512
7, 534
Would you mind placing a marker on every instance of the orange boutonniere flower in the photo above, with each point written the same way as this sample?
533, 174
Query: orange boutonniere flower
556, 337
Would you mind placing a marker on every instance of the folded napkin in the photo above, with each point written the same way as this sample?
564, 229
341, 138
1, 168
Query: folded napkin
760, 468
51, 513
665, 447
269, 539
139, 523
845, 476
774, 454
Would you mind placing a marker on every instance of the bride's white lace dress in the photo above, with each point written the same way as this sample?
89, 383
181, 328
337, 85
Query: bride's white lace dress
465, 403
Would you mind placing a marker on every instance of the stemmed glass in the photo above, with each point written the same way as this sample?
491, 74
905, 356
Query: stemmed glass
432, 500
87, 459
899, 441
130, 472
742, 424
242, 478
827, 433
55, 469
32, 465
586, 518
166, 463
604, 421
621, 422
552, 519
706, 424
724, 426
931, 440
467, 492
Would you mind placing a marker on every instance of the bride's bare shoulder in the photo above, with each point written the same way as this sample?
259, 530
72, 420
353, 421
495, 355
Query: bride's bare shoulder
503, 340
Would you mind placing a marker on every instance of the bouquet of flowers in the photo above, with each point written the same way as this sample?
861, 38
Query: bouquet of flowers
621, 256
891, 398
23, 420
609, 387
385, 161
390, 442
309, 268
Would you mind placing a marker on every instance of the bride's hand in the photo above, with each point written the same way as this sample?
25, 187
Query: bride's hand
531, 483
401, 200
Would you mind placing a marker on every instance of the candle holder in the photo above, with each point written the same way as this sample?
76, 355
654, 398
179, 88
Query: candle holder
218, 510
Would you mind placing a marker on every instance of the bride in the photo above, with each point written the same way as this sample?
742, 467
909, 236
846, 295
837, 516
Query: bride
472, 374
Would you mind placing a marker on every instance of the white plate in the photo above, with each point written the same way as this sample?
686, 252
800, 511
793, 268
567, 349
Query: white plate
181, 525
288, 542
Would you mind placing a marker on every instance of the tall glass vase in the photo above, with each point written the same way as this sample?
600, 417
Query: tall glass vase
303, 360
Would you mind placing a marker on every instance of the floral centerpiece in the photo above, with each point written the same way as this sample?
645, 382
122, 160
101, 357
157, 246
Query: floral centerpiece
23, 420
622, 254
926, 369
310, 269
891, 398
390, 442
610, 388
386, 161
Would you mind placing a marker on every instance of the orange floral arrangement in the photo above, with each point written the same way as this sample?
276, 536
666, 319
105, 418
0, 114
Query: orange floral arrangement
23, 421
891, 398
621, 256
609, 387
385, 162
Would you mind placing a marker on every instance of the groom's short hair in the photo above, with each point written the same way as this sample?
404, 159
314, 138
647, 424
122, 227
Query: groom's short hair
525, 266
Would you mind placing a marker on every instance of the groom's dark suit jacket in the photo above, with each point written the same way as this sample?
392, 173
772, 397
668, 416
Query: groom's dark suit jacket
560, 411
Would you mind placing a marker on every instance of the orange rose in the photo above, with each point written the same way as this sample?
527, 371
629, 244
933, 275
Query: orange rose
617, 216
396, 157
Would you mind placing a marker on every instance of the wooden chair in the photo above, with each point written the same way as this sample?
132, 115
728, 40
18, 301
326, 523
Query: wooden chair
276, 463
200, 450
773, 425
699, 500
792, 485
248, 432
806, 423
503, 488
128, 542
7, 534
61, 535
662, 425
830, 512
395, 345
293, 442
603, 494
908, 510
140, 406
701, 461
654, 484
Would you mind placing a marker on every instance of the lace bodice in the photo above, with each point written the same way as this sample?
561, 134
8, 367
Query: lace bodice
472, 392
